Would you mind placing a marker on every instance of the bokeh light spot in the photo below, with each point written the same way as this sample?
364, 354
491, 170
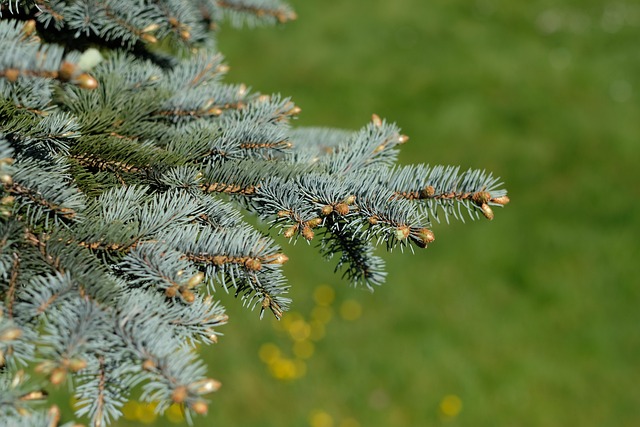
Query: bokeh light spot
350, 310
129, 410
322, 314
324, 295
175, 414
283, 369
299, 330
269, 352
288, 319
320, 419
145, 413
450, 405
303, 349
317, 330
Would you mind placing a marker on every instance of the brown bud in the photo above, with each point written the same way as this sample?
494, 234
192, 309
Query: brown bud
502, 200
179, 273
219, 260
66, 71
373, 220
185, 35
179, 394
205, 386
213, 338
76, 364
148, 365
11, 74
34, 395
10, 334
326, 210
253, 264
266, 301
279, 259
29, 27
224, 68
54, 416
376, 120
427, 192
283, 214
423, 237
7, 200
349, 200
307, 233
486, 211
402, 139
149, 38
295, 111
402, 232
18, 378
200, 407
289, 232
6, 179
86, 81
187, 296
171, 291
215, 111
284, 16
342, 208
44, 367
313, 223
481, 197
195, 280
58, 375
151, 28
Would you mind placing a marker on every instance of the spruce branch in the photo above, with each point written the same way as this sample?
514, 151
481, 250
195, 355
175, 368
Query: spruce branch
124, 189
255, 12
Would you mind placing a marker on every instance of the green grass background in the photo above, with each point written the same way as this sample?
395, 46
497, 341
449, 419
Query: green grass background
530, 320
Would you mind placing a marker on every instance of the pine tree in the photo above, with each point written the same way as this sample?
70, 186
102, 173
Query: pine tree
127, 169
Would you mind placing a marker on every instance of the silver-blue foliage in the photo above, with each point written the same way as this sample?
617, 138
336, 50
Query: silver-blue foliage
126, 164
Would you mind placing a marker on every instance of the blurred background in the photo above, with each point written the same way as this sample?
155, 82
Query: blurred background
532, 319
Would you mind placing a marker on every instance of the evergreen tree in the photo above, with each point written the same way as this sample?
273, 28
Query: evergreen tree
126, 165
